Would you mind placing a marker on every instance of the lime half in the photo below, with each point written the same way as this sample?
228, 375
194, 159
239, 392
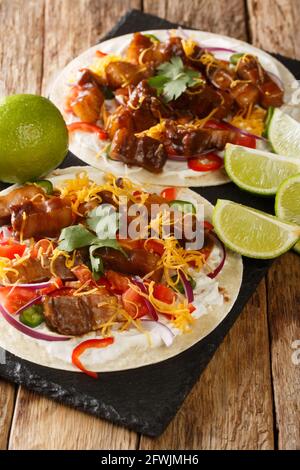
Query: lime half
284, 134
258, 171
253, 233
287, 202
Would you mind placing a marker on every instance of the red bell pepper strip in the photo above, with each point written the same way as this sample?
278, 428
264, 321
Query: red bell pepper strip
169, 193
87, 127
84, 346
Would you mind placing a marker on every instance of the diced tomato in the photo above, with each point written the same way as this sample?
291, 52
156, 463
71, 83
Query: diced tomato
245, 141
100, 54
206, 162
84, 346
118, 282
134, 303
43, 246
58, 292
13, 298
169, 193
154, 246
10, 250
103, 282
88, 127
164, 293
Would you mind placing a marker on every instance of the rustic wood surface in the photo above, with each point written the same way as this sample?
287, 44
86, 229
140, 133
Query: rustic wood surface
248, 397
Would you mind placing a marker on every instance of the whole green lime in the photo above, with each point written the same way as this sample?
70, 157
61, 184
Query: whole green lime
33, 138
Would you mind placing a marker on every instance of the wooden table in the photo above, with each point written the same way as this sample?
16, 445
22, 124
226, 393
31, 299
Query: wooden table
249, 395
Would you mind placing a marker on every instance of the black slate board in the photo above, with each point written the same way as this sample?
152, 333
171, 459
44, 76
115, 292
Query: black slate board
145, 399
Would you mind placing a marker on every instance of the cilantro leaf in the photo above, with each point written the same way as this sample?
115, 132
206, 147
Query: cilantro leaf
158, 82
104, 220
75, 236
173, 78
174, 89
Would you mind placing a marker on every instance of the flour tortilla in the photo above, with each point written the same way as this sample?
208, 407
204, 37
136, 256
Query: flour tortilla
40, 352
86, 146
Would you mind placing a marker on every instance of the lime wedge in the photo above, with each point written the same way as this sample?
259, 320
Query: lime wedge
287, 202
252, 233
258, 171
284, 134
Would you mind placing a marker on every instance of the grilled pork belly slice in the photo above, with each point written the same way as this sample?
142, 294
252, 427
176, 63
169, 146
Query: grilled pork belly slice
33, 270
41, 218
77, 315
144, 151
139, 262
15, 198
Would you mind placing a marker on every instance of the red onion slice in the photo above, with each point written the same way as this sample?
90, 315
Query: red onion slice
166, 334
216, 271
29, 331
182, 158
187, 287
218, 49
151, 310
37, 286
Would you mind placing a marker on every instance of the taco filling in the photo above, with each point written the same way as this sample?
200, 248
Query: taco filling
171, 101
67, 270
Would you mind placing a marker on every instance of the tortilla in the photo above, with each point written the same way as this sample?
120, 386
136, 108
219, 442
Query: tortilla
86, 146
58, 354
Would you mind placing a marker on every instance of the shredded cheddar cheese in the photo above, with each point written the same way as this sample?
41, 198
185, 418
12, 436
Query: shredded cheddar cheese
253, 121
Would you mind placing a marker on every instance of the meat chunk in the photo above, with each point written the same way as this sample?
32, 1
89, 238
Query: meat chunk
41, 219
187, 141
77, 315
17, 197
34, 270
121, 73
246, 94
139, 262
138, 44
142, 110
144, 151
85, 102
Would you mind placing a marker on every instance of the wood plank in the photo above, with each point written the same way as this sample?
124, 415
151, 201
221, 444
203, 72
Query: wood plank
223, 17
7, 394
20, 72
283, 304
70, 27
231, 405
21, 45
274, 25
40, 423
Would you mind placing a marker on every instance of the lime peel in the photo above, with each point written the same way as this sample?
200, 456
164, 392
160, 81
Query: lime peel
253, 233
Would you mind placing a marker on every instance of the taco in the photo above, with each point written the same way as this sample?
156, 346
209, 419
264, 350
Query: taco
160, 107
72, 283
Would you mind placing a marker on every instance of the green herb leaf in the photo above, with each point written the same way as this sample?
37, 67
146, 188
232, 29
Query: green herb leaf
104, 220
173, 78
75, 236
